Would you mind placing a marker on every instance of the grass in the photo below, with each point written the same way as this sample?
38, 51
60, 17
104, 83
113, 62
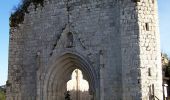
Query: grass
2, 95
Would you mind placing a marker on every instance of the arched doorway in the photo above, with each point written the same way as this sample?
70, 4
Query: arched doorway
58, 74
78, 87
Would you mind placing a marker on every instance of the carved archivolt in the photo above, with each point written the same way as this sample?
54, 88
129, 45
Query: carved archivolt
58, 74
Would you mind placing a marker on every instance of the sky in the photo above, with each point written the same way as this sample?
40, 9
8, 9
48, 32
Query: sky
6, 7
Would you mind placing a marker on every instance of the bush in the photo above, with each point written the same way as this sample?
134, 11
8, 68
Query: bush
2, 95
18, 16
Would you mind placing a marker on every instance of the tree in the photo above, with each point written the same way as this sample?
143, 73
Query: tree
166, 71
166, 64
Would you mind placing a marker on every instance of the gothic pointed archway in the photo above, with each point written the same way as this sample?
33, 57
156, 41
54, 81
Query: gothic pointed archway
58, 74
78, 87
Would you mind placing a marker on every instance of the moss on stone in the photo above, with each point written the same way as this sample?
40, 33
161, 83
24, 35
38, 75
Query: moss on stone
18, 16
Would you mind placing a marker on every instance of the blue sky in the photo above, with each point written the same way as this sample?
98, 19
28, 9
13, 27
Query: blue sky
6, 7
164, 20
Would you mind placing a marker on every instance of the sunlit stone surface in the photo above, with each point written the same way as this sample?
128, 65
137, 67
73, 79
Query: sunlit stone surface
115, 43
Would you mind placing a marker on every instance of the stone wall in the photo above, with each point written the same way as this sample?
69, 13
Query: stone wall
129, 30
109, 34
150, 58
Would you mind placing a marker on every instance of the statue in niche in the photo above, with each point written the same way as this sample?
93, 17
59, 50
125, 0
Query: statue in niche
69, 41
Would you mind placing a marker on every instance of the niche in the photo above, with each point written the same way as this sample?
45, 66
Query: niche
69, 42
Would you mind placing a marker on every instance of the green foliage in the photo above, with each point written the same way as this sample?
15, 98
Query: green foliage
8, 83
18, 16
2, 95
168, 69
166, 64
165, 55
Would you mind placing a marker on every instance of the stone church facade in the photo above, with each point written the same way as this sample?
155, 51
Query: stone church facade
115, 43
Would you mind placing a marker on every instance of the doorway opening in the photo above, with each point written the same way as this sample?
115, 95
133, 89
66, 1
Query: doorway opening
78, 87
